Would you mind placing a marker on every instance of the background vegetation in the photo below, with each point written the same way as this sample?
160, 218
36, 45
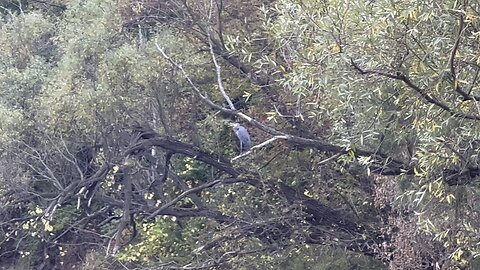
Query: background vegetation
116, 150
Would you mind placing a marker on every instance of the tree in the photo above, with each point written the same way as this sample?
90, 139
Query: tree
364, 118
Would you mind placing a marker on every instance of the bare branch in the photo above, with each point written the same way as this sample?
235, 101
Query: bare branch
329, 159
217, 66
85, 219
127, 191
198, 189
269, 141
190, 82
185, 149
219, 75
181, 184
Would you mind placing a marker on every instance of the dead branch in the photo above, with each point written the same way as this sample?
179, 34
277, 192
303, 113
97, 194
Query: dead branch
200, 188
267, 142
217, 66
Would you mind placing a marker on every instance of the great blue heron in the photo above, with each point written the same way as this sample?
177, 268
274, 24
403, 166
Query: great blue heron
243, 136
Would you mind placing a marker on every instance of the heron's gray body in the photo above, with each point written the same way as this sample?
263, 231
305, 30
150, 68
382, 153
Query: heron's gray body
243, 136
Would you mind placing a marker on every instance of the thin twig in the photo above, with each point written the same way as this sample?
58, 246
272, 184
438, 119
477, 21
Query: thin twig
329, 159
194, 190
217, 66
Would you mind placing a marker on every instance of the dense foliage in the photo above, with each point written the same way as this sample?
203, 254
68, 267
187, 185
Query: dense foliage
116, 150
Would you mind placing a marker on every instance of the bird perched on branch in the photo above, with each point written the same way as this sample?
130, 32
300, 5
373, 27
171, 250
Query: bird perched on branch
243, 136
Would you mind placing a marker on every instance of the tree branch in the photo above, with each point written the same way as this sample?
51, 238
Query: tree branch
426, 96
297, 140
127, 192
200, 188
269, 141
185, 149
451, 61
214, 60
